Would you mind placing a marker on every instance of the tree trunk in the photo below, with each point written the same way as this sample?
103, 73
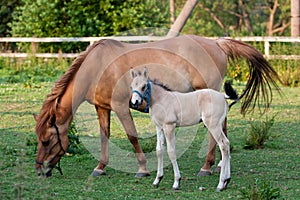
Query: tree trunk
182, 18
246, 17
172, 11
295, 18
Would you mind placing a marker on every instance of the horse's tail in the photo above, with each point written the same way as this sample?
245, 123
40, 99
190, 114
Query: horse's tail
261, 77
231, 93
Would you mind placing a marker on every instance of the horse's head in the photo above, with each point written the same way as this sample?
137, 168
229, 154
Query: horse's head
53, 143
141, 88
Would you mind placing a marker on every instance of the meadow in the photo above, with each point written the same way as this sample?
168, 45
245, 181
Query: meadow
272, 168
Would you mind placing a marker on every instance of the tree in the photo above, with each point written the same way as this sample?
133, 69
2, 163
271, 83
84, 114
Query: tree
295, 18
239, 17
182, 18
85, 18
6, 9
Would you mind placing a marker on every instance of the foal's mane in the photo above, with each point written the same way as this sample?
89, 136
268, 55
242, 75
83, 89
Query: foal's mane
49, 108
158, 83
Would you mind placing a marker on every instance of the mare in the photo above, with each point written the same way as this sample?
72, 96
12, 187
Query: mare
169, 110
100, 75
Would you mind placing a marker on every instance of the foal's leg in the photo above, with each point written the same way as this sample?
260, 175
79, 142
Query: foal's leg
224, 127
159, 154
127, 122
104, 121
224, 145
211, 154
170, 138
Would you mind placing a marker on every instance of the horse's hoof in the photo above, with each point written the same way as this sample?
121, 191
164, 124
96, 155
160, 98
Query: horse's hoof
217, 169
204, 173
98, 172
142, 174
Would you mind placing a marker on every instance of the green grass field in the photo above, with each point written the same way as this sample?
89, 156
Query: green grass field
277, 164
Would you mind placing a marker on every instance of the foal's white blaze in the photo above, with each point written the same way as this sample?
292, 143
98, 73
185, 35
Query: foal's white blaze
135, 99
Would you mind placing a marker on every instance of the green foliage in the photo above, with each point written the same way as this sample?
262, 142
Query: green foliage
76, 147
6, 9
148, 144
41, 18
219, 18
260, 190
31, 70
259, 133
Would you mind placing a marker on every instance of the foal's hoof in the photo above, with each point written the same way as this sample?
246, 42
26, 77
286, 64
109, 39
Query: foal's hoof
175, 188
142, 174
204, 173
226, 182
98, 172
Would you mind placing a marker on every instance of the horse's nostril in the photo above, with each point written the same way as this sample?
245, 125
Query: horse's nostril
49, 173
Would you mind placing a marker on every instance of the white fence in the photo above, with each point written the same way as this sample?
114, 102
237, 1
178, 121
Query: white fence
34, 40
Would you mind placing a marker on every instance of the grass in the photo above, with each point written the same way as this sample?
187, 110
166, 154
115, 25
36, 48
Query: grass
277, 163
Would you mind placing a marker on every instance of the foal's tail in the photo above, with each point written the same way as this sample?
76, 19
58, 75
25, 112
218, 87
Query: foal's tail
231, 93
262, 77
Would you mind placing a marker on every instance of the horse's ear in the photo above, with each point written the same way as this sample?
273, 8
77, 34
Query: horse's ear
132, 73
36, 117
146, 72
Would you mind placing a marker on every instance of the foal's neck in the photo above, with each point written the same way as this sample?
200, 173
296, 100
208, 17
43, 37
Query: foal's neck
157, 93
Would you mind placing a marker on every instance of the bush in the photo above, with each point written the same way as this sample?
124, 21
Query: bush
259, 134
76, 146
260, 190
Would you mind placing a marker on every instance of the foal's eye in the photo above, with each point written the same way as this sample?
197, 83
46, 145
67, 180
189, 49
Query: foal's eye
46, 143
143, 88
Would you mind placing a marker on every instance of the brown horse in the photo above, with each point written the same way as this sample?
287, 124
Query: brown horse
100, 75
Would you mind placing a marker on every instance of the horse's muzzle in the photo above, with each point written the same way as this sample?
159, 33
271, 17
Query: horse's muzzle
47, 172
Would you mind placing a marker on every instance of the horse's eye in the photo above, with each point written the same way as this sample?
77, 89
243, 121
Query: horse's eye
143, 88
46, 143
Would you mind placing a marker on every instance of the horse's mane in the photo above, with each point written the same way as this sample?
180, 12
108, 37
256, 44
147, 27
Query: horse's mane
49, 107
158, 83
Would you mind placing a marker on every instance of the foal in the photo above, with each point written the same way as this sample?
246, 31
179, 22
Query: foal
169, 110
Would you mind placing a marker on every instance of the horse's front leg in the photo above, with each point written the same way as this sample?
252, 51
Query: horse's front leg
127, 122
169, 131
104, 121
159, 154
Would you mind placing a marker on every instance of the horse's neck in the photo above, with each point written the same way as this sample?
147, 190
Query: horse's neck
68, 104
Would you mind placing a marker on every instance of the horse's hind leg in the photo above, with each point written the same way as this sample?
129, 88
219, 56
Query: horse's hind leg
104, 121
127, 122
210, 157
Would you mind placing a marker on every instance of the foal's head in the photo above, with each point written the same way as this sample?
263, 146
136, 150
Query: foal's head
140, 87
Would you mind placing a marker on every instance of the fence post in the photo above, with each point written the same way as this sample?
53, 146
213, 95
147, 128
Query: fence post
267, 47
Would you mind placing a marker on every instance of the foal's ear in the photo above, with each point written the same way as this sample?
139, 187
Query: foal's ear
132, 73
146, 72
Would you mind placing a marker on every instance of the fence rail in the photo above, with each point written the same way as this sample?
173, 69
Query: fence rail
34, 40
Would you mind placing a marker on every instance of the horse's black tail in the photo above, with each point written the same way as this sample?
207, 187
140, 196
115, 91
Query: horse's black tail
231, 93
